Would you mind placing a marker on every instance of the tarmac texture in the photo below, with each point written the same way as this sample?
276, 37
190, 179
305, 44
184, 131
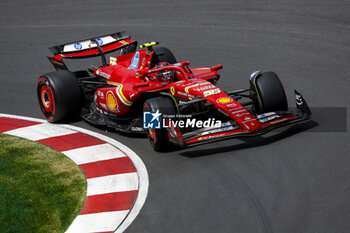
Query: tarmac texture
293, 180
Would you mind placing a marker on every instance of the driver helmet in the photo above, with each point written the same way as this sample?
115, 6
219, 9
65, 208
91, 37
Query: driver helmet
165, 75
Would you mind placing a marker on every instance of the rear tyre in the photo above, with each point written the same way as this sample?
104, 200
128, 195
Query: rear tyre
59, 95
159, 138
165, 55
268, 93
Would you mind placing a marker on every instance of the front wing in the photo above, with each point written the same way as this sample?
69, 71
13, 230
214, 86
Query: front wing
268, 122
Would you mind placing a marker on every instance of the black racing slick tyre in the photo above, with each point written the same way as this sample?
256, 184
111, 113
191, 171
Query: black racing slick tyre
165, 55
59, 95
268, 93
159, 137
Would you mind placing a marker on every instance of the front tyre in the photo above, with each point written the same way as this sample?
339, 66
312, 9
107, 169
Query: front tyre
159, 138
59, 95
268, 92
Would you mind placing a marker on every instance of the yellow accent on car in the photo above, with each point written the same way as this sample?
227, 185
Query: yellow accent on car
175, 102
149, 44
124, 42
112, 103
224, 100
120, 91
196, 85
258, 95
172, 90
112, 61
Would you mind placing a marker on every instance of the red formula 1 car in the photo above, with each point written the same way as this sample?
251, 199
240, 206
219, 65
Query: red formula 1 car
149, 91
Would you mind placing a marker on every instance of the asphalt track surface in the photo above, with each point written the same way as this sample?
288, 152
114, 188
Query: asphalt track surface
296, 180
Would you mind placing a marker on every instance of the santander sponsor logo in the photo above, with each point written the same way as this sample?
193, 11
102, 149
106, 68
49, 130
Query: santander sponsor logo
103, 74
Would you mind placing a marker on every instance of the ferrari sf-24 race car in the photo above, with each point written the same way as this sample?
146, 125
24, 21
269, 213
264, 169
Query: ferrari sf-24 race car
149, 91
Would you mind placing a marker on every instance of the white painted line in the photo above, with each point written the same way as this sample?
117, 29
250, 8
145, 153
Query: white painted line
114, 183
141, 172
100, 222
95, 153
38, 132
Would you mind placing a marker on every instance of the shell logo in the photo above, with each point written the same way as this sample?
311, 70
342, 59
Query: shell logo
172, 90
224, 100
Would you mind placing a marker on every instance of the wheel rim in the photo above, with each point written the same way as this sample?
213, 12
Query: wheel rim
46, 99
152, 135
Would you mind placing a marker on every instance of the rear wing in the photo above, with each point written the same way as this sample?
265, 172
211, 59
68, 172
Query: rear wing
96, 46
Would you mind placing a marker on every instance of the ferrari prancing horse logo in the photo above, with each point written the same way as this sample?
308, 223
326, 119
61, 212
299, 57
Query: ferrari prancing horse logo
172, 90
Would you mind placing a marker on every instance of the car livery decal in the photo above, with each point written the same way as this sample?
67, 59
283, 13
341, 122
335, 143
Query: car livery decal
120, 93
211, 92
112, 102
100, 41
135, 61
224, 100
172, 90
78, 46
195, 85
88, 44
